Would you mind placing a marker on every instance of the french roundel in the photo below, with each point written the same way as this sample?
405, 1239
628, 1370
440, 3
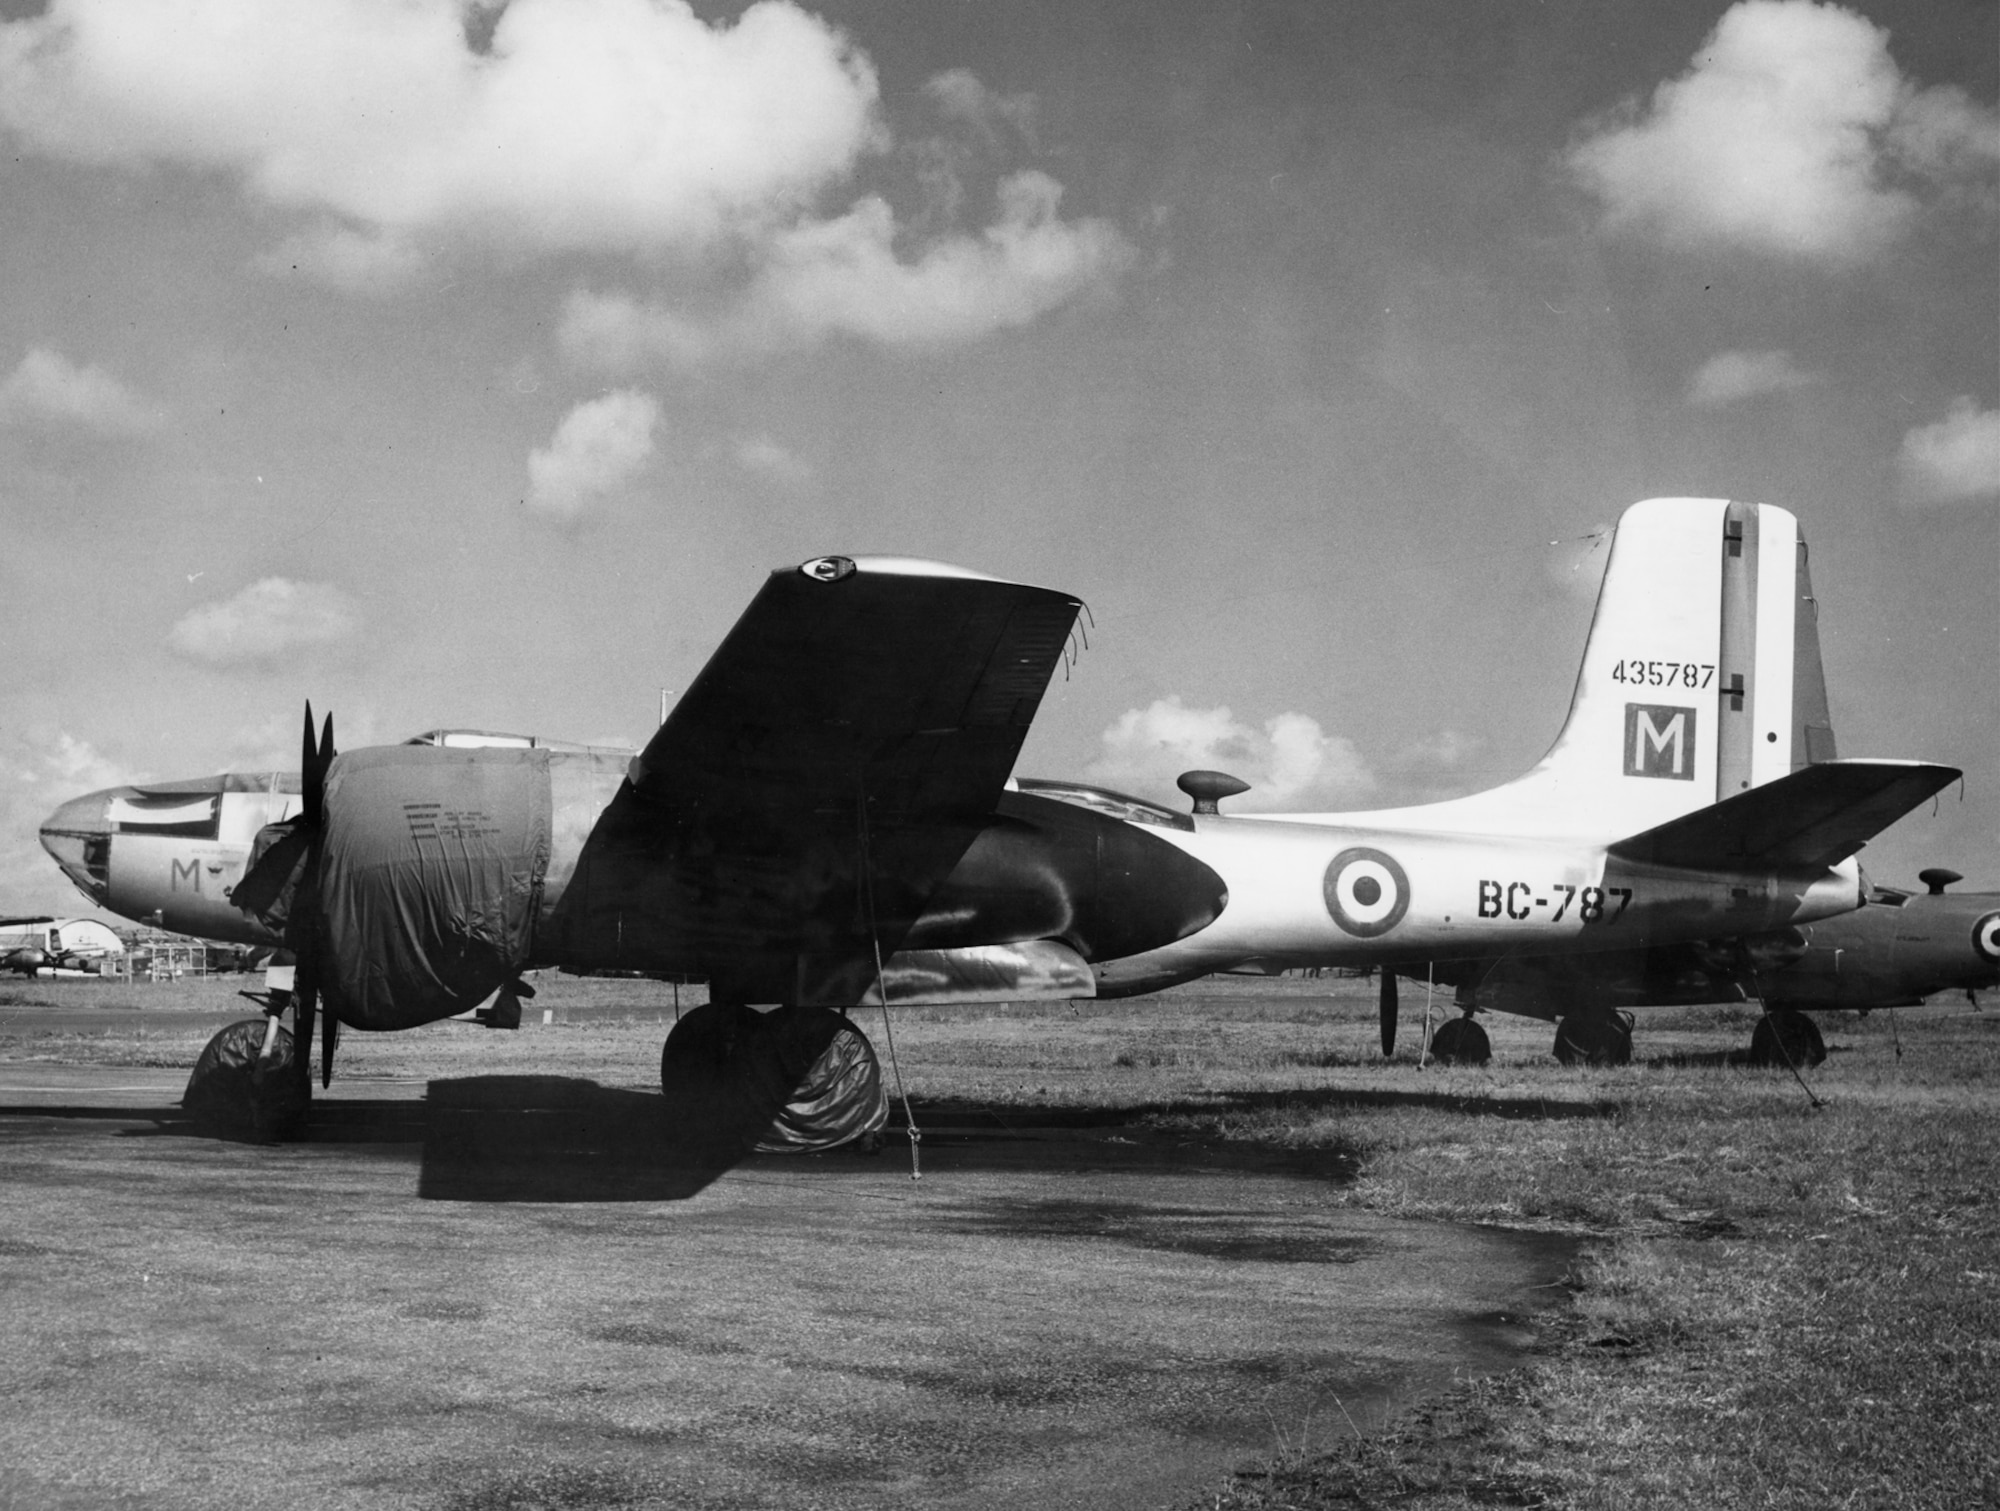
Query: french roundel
1986, 938
1366, 891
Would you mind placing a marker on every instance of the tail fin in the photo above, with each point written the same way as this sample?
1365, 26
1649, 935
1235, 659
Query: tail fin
1701, 678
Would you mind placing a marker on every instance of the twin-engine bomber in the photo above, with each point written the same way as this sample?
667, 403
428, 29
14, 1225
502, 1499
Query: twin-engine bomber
827, 818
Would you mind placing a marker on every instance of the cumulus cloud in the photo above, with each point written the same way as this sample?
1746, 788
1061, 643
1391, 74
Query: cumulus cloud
621, 125
843, 276
765, 458
266, 623
1953, 461
1792, 133
39, 769
599, 447
397, 132
1288, 761
960, 96
1443, 750
355, 262
48, 389
65, 765
1732, 377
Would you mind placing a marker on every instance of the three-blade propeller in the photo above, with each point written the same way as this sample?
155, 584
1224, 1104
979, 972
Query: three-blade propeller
302, 930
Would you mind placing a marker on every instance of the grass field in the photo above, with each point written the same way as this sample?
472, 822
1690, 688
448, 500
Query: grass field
1780, 1304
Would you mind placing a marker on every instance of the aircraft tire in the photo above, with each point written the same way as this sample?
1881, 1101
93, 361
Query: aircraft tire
794, 1080
1786, 1034
236, 1094
1594, 1038
1461, 1041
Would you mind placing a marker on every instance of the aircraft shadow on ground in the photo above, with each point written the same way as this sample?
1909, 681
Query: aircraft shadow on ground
551, 1139
562, 1139
554, 1138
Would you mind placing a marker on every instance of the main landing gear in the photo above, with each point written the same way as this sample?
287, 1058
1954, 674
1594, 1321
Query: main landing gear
1461, 1041
792, 1080
1594, 1036
1785, 1036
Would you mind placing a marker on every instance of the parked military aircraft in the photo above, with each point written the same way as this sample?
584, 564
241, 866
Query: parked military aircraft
826, 816
1895, 950
823, 813
1693, 794
46, 946
1898, 949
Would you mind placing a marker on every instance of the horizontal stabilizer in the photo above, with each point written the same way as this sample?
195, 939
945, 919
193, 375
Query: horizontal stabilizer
1817, 816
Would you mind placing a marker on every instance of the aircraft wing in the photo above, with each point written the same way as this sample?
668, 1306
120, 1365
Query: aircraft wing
1816, 816
860, 708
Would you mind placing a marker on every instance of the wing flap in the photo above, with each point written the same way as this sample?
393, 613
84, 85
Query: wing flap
1816, 816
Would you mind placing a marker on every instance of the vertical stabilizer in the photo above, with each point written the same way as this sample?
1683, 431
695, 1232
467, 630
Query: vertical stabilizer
1701, 678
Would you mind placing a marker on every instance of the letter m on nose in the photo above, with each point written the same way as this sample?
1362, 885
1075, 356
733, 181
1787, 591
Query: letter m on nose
1659, 741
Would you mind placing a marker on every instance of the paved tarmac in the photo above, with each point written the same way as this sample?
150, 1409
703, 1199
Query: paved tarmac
508, 1291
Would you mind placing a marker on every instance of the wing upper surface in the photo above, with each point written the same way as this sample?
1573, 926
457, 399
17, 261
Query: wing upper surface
875, 705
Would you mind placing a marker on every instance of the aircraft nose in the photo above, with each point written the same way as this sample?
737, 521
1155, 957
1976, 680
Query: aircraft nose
78, 838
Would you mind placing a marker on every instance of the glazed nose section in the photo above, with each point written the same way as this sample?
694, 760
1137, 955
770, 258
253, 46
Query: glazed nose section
78, 838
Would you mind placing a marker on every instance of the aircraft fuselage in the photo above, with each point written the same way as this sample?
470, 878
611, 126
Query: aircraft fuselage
170, 855
1895, 951
1303, 894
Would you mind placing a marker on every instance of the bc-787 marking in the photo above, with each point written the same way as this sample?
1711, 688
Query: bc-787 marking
1520, 900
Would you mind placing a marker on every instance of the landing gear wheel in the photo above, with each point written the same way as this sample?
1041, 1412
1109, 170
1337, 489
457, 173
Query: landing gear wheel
1460, 1041
1786, 1035
1595, 1038
794, 1080
237, 1092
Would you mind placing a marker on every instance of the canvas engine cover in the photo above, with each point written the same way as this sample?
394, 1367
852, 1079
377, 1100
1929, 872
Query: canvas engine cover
433, 862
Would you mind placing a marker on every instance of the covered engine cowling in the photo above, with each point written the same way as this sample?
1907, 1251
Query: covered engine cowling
429, 875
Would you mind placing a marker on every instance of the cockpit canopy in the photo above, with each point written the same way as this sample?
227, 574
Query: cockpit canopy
490, 739
1103, 800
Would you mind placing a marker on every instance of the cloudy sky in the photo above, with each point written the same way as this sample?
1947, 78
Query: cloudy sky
471, 364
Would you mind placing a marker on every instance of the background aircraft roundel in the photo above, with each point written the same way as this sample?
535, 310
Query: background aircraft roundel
1367, 892
1986, 938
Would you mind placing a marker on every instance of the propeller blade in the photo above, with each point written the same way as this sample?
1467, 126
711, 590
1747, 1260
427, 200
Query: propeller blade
1388, 1011
311, 774
329, 1036
305, 998
302, 927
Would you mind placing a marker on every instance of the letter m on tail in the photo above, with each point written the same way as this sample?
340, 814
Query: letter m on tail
1659, 741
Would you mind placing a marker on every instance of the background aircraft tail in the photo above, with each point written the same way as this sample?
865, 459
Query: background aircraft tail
1701, 678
